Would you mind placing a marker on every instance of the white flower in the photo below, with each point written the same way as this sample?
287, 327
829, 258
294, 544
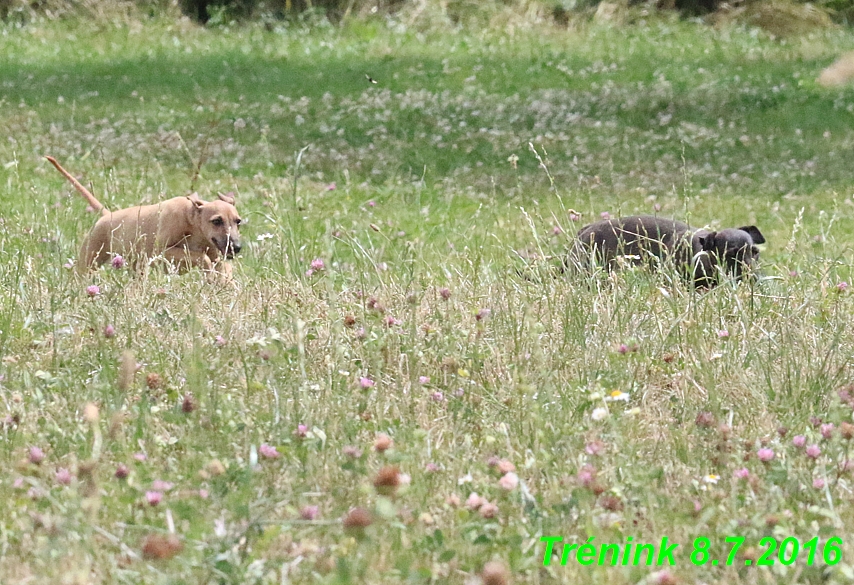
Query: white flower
618, 396
711, 478
599, 413
262, 237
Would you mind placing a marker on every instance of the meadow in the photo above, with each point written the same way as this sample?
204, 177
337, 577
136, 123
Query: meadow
399, 387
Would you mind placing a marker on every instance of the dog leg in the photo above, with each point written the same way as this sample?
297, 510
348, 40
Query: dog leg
184, 258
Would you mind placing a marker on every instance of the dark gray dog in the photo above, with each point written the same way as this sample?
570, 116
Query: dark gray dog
699, 255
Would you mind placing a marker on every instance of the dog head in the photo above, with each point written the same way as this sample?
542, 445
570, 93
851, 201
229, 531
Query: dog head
219, 222
733, 250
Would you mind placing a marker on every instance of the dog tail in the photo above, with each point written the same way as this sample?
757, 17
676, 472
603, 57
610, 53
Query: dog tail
96, 205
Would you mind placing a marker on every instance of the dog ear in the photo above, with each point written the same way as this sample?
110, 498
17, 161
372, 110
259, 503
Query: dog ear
194, 198
228, 197
707, 241
754, 234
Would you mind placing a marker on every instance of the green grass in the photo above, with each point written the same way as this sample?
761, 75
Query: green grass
407, 187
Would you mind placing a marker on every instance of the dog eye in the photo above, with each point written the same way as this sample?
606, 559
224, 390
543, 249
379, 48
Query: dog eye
217, 221
238, 221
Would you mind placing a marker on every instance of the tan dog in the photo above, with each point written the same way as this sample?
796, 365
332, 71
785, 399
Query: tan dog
185, 231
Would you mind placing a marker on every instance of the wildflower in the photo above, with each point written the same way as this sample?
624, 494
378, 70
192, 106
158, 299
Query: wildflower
268, 451
118, 262
605, 215
308, 512
495, 573
331, 187
483, 314
352, 452
220, 341
382, 442
818, 483
387, 480
705, 420
93, 290
827, 430
723, 334
438, 396
453, 500
617, 396
599, 413
203, 493
122, 471
799, 441
445, 293
505, 466
611, 502
161, 486
215, 467
742, 473
711, 478
488, 510
423, 380
153, 497
63, 476
391, 321
594, 448
262, 237
765, 455
509, 481
664, 577
153, 381
474, 501
109, 331
372, 203
36, 455
219, 527
90, 412
188, 404
459, 393
587, 476
431, 468
317, 265
366, 383
623, 349
813, 451
357, 520
301, 432
842, 286
574, 217
158, 547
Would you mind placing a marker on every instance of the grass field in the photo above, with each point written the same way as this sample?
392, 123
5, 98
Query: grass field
379, 352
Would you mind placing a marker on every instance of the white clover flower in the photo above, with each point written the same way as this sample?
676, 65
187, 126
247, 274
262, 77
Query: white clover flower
600, 413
